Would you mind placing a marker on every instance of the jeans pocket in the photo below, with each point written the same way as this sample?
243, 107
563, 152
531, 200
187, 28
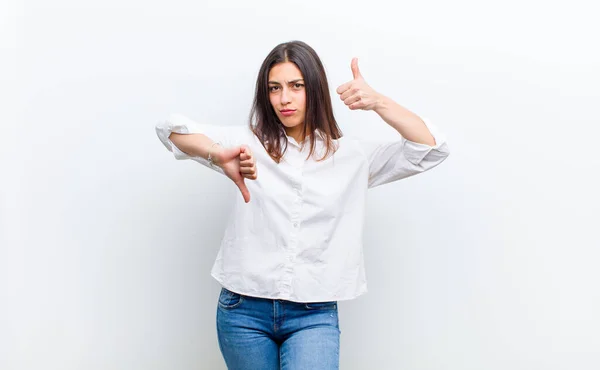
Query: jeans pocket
229, 299
331, 305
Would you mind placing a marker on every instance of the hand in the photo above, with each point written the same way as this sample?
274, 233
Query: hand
357, 94
237, 163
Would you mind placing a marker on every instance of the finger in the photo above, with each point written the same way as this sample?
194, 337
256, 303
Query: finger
242, 186
350, 92
245, 149
357, 105
355, 70
247, 163
251, 176
353, 99
247, 170
344, 87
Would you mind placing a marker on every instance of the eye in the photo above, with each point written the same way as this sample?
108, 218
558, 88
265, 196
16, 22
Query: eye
298, 85
271, 89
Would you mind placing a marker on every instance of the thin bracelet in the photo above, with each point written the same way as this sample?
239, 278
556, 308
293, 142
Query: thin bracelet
210, 158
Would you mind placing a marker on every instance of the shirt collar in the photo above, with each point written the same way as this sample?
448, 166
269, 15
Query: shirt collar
319, 135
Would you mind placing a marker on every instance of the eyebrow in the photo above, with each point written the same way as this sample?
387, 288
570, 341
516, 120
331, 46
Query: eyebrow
289, 82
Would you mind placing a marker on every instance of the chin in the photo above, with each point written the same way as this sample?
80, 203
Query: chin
290, 124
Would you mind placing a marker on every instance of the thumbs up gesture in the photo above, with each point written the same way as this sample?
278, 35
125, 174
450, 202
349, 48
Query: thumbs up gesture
238, 164
357, 94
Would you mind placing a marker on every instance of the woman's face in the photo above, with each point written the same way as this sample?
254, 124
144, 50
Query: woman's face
288, 96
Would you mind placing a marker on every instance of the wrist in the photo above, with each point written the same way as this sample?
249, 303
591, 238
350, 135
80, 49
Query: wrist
215, 154
381, 104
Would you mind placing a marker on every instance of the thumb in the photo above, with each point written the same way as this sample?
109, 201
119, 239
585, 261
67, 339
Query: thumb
245, 192
355, 70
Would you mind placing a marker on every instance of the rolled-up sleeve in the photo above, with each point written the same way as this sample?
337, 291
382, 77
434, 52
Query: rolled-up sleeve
228, 136
391, 161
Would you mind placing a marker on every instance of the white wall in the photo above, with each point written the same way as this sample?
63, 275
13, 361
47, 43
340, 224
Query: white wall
489, 261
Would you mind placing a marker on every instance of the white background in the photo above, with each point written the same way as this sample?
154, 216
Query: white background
487, 262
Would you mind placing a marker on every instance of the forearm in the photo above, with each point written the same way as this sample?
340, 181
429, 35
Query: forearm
196, 145
408, 124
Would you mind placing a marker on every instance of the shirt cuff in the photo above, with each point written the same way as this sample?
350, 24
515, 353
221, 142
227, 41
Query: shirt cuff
174, 123
416, 152
180, 124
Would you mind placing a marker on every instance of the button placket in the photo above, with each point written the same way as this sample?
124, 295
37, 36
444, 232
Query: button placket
295, 180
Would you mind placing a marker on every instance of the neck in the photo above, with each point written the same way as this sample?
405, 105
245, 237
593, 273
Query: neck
296, 132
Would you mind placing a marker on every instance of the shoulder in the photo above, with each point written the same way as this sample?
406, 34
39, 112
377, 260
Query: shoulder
350, 144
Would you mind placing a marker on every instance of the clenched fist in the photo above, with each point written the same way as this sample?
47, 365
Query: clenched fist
357, 94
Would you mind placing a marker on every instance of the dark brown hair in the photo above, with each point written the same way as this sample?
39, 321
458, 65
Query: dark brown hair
319, 113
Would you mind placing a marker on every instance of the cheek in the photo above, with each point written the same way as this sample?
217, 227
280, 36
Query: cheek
302, 100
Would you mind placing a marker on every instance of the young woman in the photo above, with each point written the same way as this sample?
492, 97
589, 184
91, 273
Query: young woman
293, 246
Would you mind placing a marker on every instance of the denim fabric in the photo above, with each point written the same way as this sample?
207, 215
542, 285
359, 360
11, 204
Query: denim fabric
266, 334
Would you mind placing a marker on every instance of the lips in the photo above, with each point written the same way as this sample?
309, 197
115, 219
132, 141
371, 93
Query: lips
287, 112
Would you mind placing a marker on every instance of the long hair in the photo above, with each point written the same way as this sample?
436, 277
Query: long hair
319, 113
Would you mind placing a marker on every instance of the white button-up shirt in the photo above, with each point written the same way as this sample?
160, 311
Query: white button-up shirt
300, 236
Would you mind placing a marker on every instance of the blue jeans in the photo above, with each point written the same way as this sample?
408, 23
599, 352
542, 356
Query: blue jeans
266, 334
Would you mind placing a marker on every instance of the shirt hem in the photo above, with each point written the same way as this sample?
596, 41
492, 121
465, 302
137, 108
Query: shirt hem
287, 298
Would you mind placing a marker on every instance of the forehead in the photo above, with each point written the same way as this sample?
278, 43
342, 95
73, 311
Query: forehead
285, 71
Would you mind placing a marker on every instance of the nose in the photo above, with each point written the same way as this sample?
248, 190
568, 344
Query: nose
285, 97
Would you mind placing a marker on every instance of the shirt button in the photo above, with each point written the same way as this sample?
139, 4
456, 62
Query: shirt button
295, 224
